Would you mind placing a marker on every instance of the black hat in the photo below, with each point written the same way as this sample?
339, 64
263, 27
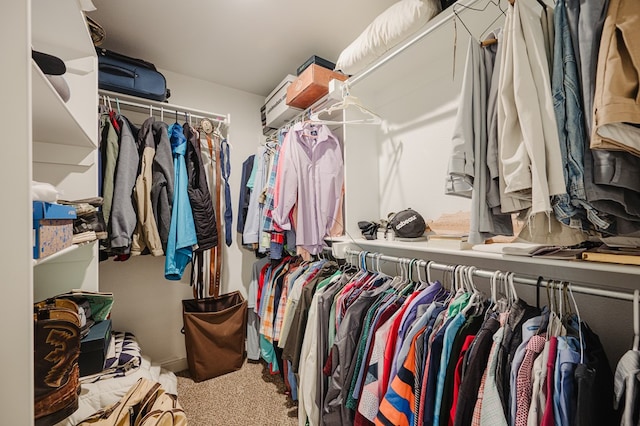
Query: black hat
49, 64
408, 224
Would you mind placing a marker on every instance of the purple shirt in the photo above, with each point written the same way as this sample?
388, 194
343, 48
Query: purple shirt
310, 174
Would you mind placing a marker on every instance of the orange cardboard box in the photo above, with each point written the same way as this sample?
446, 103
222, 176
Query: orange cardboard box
311, 85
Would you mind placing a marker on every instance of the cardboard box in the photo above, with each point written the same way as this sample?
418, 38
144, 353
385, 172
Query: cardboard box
277, 112
52, 228
311, 85
94, 347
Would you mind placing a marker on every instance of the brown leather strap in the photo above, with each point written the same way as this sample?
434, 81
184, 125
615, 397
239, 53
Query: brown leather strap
216, 253
197, 275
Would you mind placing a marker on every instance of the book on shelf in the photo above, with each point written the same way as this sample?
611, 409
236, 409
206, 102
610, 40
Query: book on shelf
626, 256
454, 241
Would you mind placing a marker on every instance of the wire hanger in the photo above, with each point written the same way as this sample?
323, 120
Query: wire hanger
483, 43
323, 116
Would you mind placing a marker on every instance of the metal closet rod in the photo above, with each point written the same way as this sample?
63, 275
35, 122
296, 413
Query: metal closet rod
484, 273
169, 109
443, 18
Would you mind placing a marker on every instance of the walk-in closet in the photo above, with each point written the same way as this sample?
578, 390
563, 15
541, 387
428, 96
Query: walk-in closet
382, 212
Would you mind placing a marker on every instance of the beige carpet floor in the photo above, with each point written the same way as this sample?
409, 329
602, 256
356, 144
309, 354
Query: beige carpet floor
249, 396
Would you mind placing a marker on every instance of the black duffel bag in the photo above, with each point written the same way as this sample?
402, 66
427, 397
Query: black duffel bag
122, 74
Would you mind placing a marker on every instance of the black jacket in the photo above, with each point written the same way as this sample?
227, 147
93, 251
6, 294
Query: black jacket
199, 195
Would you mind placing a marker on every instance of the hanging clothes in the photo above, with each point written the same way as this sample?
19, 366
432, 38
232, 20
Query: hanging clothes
162, 181
253, 320
123, 219
146, 235
182, 233
468, 171
203, 215
528, 138
245, 194
615, 118
256, 182
109, 148
311, 177
226, 173
572, 208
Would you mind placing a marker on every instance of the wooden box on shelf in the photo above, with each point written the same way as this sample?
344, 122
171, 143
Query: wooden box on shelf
311, 85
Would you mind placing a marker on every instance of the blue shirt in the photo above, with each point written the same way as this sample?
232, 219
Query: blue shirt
449, 335
567, 358
182, 231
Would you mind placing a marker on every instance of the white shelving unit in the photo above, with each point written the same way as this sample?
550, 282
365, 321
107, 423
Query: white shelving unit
47, 140
65, 134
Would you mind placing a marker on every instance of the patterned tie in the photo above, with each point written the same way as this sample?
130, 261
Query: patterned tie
524, 385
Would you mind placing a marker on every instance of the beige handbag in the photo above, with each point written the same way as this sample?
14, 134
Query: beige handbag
145, 404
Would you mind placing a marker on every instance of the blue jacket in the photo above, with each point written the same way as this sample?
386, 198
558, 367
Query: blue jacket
182, 233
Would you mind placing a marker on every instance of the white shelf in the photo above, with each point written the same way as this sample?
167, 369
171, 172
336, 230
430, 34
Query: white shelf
58, 27
53, 122
627, 276
55, 256
65, 255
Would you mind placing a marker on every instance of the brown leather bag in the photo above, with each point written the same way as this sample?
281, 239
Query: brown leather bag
56, 342
215, 329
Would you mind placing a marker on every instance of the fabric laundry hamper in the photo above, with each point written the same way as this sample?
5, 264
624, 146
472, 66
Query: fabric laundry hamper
215, 331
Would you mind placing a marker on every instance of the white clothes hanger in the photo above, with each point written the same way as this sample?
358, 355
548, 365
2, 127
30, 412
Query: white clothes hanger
324, 115
575, 305
636, 319
428, 269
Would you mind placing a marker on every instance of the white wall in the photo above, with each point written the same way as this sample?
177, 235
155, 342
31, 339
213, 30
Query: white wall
147, 304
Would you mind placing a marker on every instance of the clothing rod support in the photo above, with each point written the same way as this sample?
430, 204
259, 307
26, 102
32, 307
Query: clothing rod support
483, 273
166, 108
443, 19
320, 103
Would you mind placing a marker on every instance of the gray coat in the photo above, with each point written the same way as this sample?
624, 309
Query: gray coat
123, 218
162, 181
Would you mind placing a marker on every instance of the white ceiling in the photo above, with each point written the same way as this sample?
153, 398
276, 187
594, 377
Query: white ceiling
245, 44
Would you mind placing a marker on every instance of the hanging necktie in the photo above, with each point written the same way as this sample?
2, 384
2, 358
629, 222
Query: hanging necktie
226, 172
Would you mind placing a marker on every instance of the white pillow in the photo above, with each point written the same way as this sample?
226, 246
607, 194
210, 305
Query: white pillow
388, 29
